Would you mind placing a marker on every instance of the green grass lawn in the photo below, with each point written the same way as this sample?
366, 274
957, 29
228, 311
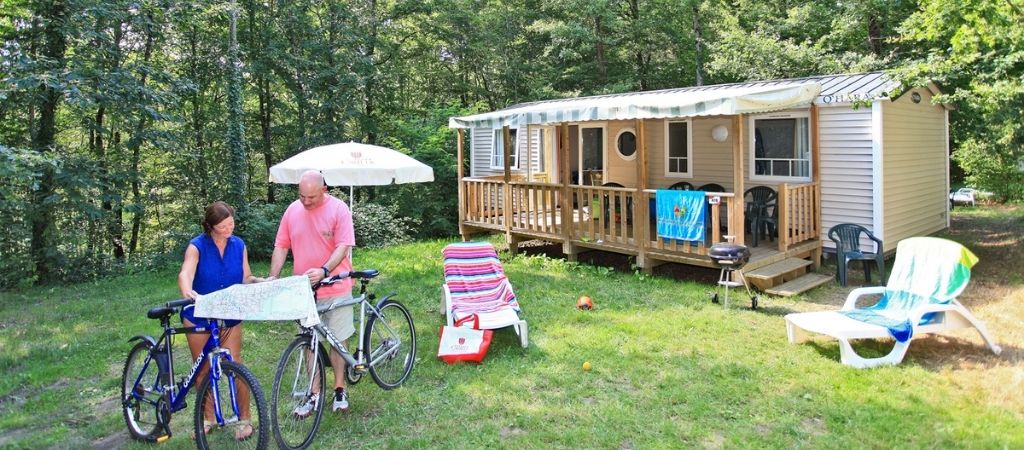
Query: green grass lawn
670, 369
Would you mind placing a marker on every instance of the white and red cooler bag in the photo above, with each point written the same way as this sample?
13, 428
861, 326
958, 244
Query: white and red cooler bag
463, 343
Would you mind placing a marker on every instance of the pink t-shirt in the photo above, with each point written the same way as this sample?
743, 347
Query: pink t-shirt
312, 235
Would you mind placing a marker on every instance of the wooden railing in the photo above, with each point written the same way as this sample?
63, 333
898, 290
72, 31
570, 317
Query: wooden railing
532, 207
799, 215
603, 215
622, 217
483, 201
719, 216
535, 207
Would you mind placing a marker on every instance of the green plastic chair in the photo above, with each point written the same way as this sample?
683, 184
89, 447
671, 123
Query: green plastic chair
847, 236
759, 212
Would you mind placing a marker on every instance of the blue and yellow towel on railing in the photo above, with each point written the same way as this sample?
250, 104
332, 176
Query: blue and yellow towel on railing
680, 214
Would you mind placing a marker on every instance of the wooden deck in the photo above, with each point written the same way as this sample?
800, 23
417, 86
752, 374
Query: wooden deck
621, 220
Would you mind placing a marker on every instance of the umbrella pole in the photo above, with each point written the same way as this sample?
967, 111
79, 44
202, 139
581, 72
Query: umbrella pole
351, 197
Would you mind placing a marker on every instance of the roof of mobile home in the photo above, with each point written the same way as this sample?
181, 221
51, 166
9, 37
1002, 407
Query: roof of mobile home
721, 99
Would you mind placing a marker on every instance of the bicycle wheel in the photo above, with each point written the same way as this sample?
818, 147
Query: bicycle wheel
140, 393
294, 412
236, 386
390, 343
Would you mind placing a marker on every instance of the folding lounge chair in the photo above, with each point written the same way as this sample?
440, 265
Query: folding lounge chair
475, 283
920, 297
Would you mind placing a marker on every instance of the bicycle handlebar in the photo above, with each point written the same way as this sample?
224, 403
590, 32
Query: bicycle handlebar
359, 274
162, 312
179, 302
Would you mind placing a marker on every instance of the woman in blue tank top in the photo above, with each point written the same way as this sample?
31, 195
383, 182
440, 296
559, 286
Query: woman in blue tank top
215, 260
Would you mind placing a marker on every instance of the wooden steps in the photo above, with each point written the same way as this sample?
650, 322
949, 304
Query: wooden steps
799, 285
777, 273
786, 278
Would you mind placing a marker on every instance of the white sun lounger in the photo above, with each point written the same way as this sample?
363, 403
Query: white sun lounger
928, 275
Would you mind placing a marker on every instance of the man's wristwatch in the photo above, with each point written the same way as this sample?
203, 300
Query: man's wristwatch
327, 273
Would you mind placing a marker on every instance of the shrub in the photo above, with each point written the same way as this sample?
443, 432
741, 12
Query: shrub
381, 226
259, 228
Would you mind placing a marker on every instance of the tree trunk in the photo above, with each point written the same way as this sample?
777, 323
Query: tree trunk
641, 69
237, 181
43, 242
135, 144
198, 120
370, 124
96, 147
602, 65
299, 90
262, 74
874, 36
136, 192
640, 58
115, 231
698, 54
266, 97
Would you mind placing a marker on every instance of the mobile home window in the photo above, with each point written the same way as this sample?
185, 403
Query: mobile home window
781, 147
625, 144
542, 149
498, 150
591, 153
677, 146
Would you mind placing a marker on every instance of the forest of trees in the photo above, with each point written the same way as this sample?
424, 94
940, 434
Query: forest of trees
120, 120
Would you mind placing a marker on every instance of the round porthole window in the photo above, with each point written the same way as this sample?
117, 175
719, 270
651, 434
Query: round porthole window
625, 143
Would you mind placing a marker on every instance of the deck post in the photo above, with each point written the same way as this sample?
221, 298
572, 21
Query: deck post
782, 204
529, 155
816, 254
506, 204
816, 179
566, 199
736, 222
462, 188
640, 205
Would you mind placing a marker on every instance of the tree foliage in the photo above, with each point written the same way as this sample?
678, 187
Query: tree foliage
975, 50
121, 120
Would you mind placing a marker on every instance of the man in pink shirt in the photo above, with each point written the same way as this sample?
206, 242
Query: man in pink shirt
318, 229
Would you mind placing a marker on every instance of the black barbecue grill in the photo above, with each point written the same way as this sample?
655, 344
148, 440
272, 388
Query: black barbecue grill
731, 258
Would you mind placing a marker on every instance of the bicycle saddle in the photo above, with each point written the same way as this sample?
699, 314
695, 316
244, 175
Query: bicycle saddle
368, 273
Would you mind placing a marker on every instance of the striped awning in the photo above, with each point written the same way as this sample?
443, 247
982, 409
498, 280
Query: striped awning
741, 99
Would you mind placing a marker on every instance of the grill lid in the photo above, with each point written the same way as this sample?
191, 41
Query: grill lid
724, 253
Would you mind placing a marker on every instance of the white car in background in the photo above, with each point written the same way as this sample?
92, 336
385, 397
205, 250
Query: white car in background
964, 196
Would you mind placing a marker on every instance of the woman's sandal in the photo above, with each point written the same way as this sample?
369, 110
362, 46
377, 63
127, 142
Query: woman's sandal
244, 430
207, 427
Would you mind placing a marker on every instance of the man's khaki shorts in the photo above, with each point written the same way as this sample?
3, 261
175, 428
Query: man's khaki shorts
338, 320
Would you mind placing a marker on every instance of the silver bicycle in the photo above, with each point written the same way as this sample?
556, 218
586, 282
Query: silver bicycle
386, 348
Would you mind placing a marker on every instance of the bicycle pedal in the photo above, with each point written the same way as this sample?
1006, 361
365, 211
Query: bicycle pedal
360, 368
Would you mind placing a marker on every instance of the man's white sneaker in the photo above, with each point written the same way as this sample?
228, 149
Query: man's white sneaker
340, 400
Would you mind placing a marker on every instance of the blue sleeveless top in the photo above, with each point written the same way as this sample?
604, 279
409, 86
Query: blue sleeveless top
214, 272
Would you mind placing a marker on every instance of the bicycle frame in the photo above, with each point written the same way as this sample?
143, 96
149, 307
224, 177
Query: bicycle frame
176, 394
361, 360
357, 361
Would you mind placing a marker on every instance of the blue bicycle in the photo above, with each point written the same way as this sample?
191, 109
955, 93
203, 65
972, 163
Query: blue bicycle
149, 394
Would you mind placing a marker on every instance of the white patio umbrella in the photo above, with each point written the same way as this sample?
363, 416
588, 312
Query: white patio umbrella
353, 164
